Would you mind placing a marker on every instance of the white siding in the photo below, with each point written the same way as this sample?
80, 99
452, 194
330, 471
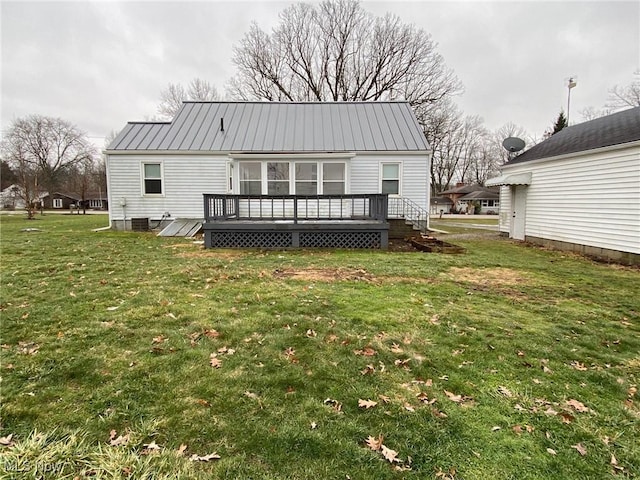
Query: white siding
186, 178
365, 175
591, 199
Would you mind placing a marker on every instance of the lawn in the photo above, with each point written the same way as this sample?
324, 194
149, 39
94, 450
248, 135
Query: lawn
125, 355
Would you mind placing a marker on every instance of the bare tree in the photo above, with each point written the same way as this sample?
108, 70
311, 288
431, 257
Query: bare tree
336, 50
622, 97
171, 99
591, 113
43, 151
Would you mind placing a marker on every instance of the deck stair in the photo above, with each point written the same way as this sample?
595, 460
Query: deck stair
411, 212
182, 227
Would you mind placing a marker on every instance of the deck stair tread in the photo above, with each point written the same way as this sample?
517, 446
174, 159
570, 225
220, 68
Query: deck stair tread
182, 227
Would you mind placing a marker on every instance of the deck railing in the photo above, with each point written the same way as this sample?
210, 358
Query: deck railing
295, 208
400, 207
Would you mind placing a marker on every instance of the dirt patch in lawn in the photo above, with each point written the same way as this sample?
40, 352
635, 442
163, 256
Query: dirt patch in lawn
488, 276
504, 281
325, 274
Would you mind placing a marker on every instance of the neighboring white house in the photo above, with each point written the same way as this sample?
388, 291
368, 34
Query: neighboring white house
578, 190
160, 171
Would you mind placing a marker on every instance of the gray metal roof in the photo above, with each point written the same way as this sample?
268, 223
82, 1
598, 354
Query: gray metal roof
615, 129
279, 127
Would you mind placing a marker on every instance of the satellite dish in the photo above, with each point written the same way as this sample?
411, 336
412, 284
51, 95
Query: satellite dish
513, 144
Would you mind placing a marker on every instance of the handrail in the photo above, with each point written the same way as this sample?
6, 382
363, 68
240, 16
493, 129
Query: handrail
225, 207
401, 207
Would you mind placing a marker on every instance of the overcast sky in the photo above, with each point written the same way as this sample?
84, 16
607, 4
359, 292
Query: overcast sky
101, 64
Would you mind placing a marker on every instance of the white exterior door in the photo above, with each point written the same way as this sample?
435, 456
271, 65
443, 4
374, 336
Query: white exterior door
518, 211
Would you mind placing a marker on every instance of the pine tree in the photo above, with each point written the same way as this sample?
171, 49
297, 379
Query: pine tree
561, 122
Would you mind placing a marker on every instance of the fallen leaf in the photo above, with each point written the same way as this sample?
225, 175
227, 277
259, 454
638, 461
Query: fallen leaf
517, 429
395, 348
151, 448
251, 395
384, 398
211, 333
388, 454
453, 397
314, 425
495, 429
551, 451
367, 352
205, 458
505, 391
577, 406
158, 339
214, 361
435, 319
566, 418
111, 309
366, 403
409, 408
368, 370
7, 441
336, 405
374, 443
580, 448
579, 366
180, 451
311, 333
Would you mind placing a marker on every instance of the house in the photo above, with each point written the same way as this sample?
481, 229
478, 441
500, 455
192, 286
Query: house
484, 202
67, 200
12, 198
578, 190
271, 173
440, 205
464, 197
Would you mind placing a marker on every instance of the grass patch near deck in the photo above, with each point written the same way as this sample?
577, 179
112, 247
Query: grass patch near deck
126, 355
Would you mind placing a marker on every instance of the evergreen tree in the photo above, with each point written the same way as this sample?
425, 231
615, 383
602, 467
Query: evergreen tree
561, 122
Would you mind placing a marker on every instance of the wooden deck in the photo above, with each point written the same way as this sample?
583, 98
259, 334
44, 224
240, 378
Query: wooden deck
296, 221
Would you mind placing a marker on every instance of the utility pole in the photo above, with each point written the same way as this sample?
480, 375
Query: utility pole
572, 83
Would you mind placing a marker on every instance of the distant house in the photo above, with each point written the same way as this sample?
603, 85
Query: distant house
66, 201
12, 198
274, 173
464, 197
578, 190
440, 205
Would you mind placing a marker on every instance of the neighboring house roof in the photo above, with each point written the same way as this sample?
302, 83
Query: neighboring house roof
279, 127
463, 189
481, 195
615, 129
441, 200
71, 196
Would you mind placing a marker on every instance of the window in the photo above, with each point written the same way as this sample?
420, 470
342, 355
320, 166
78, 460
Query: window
93, 203
278, 178
391, 178
333, 178
250, 178
306, 178
490, 203
152, 178
57, 203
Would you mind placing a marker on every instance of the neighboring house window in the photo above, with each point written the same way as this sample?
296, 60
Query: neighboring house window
95, 203
57, 203
306, 178
390, 178
152, 178
278, 178
250, 178
490, 203
333, 178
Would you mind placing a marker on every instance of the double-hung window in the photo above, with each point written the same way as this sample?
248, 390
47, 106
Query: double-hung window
152, 179
277, 178
306, 178
390, 182
57, 203
250, 178
333, 178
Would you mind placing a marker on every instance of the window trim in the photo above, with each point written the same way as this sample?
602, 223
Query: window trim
57, 203
399, 179
143, 178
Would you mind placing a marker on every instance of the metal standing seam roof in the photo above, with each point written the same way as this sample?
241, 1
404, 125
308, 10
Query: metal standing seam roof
615, 129
275, 127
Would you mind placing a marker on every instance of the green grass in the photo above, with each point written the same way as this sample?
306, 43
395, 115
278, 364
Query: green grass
105, 331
